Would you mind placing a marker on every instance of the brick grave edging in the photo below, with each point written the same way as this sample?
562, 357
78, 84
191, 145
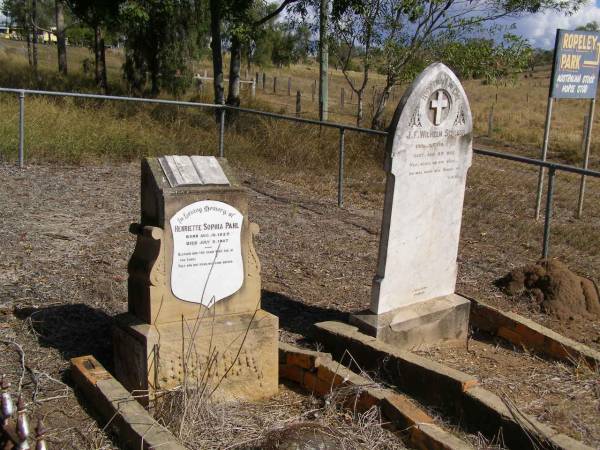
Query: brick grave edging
457, 393
118, 409
317, 373
533, 336
314, 371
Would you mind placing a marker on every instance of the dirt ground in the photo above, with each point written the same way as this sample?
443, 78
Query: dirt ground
64, 250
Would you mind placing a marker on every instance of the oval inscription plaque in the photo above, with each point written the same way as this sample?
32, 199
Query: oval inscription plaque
207, 254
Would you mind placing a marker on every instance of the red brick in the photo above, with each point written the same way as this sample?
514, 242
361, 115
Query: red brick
400, 410
315, 385
292, 373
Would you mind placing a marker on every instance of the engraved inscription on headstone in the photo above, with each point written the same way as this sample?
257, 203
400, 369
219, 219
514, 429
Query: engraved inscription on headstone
427, 165
207, 256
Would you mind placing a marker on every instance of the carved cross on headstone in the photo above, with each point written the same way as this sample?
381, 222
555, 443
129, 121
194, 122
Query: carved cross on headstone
439, 104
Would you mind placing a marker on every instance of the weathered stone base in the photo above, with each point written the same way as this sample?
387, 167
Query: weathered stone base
236, 354
442, 320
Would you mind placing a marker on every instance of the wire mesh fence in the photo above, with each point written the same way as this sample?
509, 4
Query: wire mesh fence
500, 231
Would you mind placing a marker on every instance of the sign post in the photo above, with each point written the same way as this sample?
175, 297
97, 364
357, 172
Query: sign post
586, 156
574, 76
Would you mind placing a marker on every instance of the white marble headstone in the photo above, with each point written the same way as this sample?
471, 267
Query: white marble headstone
207, 254
428, 155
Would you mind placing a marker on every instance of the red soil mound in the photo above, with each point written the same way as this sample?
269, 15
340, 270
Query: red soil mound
555, 289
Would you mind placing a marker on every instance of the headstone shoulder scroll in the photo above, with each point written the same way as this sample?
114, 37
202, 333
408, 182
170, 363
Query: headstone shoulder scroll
428, 154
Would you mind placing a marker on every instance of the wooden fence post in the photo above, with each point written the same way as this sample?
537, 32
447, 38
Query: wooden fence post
298, 103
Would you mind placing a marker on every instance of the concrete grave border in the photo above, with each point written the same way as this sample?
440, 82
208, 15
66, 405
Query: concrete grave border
440, 386
118, 409
317, 373
533, 336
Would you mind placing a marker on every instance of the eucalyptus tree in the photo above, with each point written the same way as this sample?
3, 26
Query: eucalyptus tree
100, 16
409, 26
61, 36
358, 34
160, 40
240, 22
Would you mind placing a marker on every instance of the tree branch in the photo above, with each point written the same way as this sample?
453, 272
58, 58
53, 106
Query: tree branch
268, 17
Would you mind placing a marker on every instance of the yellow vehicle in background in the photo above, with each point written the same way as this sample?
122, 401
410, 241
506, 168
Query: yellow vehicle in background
47, 37
5, 32
43, 36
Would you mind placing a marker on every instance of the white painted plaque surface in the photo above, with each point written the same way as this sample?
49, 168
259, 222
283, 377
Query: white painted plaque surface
427, 165
207, 254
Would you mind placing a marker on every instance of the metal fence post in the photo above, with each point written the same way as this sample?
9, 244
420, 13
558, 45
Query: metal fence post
548, 218
21, 129
222, 133
341, 170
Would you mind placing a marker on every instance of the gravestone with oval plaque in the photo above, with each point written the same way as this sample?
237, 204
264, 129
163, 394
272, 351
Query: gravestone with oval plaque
194, 311
413, 303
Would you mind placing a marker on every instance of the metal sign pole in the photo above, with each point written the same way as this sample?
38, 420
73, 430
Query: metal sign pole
540, 186
586, 155
551, 91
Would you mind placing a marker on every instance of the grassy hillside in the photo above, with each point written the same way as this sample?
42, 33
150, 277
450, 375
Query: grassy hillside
78, 131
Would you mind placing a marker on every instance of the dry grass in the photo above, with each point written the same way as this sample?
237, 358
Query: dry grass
565, 396
519, 112
90, 132
519, 106
279, 422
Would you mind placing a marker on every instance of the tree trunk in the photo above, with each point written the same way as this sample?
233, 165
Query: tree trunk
29, 51
61, 40
100, 60
103, 75
359, 108
323, 61
34, 43
233, 96
97, 54
154, 70
249, 61
217, 57
377, 122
